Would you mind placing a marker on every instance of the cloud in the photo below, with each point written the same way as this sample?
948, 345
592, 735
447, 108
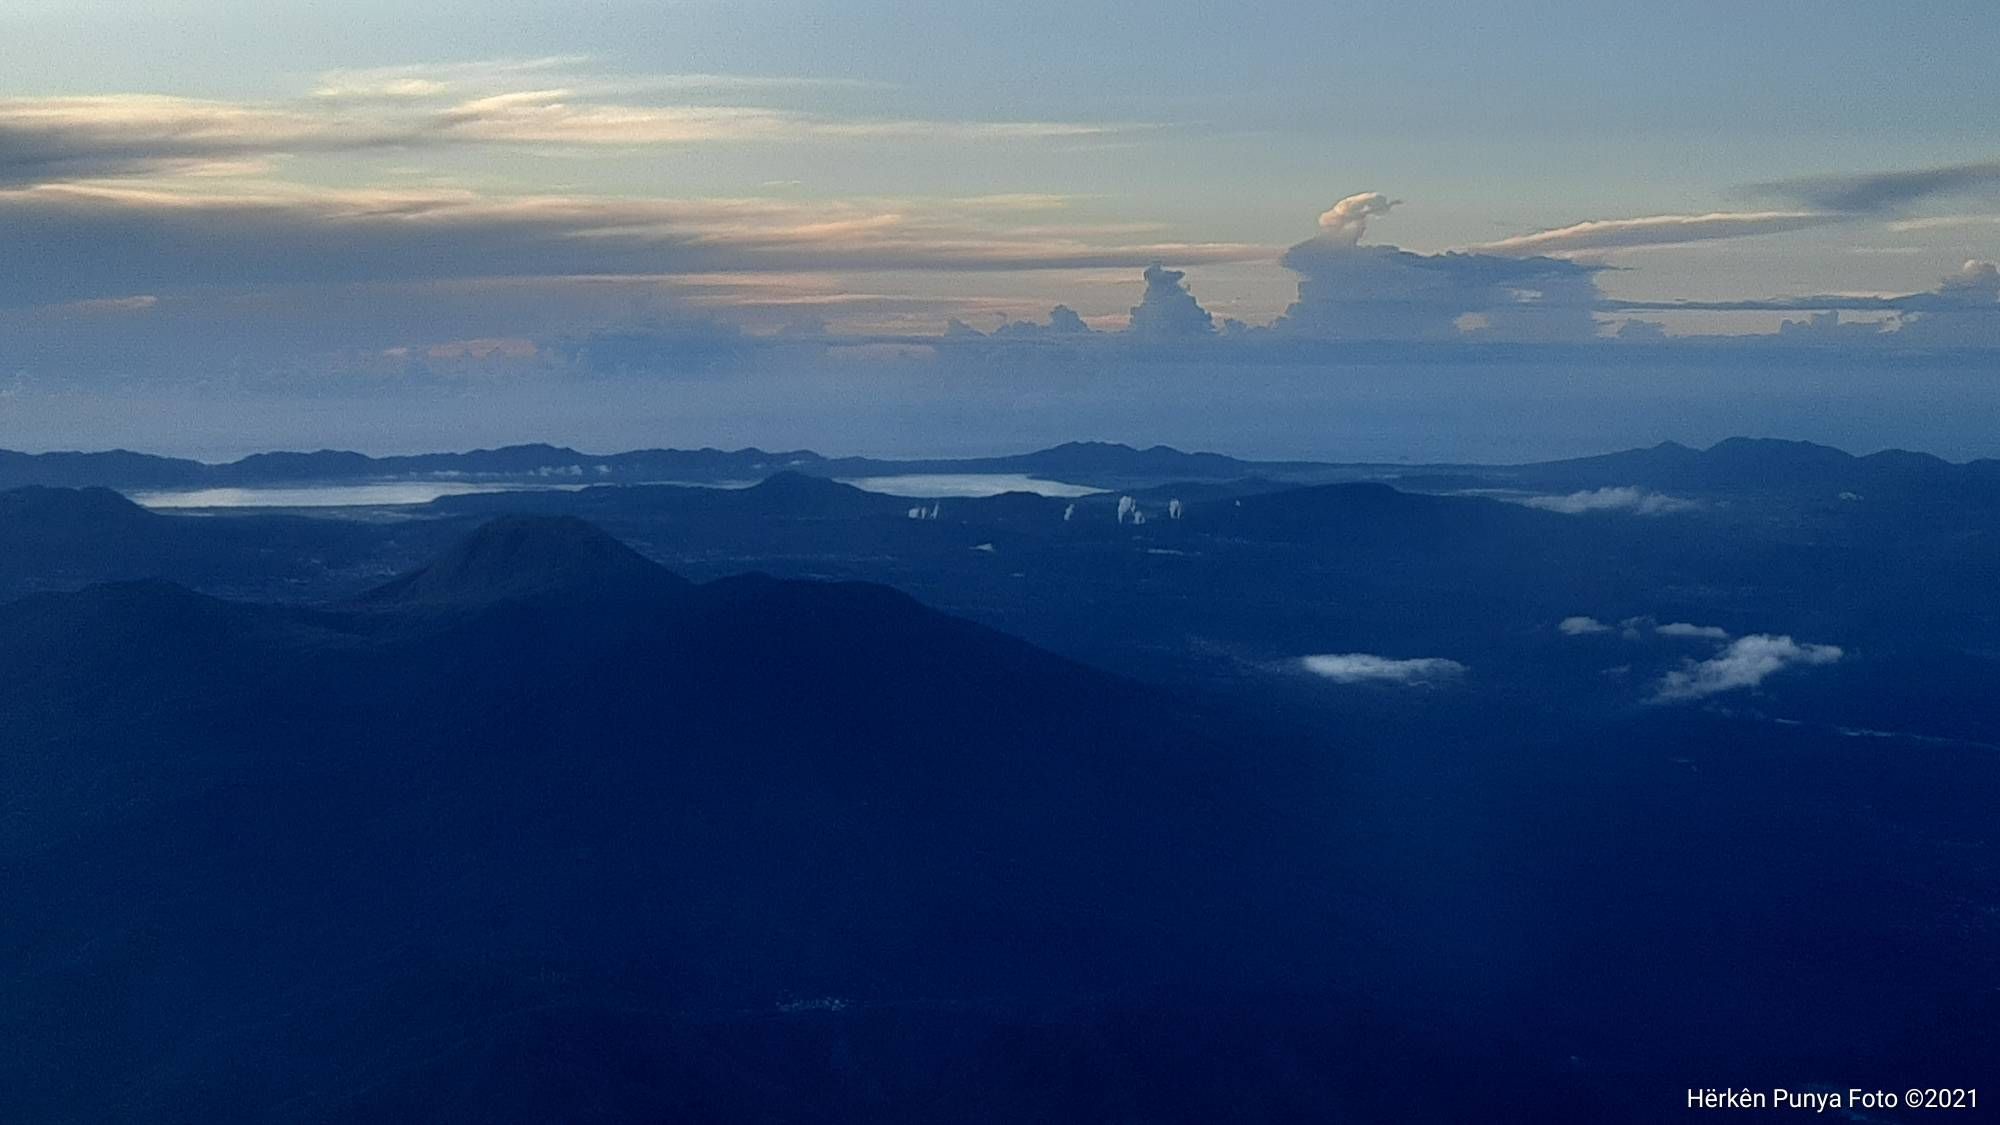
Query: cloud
1692, 632
49, 139
1637, 501
1655, 230
542, 102
434, 80
1581, 626
1962, 311
559, 117
1168, 311
77, 242
1346, 221
1745, 663
1879, 192
1976, 282
1361, 667
670, 347
1063, 322
1348, 291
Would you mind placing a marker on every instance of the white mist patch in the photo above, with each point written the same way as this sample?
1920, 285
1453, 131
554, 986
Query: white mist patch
1628, 499
1581, 626
929, 485
375, 494
1363, 667
1744, 663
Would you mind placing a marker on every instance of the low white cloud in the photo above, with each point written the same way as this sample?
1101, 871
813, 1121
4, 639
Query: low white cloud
1637, 501
1362, 667
1581, 626
1745, 663
1693, 632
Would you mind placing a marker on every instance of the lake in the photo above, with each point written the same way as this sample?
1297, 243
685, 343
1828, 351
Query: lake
968, 485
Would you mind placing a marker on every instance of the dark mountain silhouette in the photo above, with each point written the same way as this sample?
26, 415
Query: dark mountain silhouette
516, 556
782, 496
287, 864
1374, 512
41, 512
118, 468
62, 538
1770, 465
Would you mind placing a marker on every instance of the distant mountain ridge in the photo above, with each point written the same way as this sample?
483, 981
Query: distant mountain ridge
1763, 464
128, 470
1733, 460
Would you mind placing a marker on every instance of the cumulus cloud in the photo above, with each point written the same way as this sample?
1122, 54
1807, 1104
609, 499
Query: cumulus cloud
1627, 498
1349, 291
1655, 230
1063, 321
1362, 667
1168, 311
1745, 663
1581, 626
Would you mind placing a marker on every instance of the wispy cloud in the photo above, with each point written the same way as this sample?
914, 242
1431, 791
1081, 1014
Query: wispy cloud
1581, 626
1745, 663
1655, 230
431, 80
547, 103
52, 139
59, 241
1878, 192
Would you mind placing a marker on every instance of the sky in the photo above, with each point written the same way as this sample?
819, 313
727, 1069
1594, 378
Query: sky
1445, 231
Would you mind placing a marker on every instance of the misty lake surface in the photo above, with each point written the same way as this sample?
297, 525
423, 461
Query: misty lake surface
967, 485
377, 494
390, 494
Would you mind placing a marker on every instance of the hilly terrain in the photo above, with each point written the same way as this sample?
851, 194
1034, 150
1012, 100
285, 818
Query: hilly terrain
648, 801
339, 864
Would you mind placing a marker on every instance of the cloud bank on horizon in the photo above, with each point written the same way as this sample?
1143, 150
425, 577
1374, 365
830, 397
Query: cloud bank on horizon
137, 207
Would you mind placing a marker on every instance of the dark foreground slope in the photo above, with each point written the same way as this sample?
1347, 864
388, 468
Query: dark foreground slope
538, 831
543, 832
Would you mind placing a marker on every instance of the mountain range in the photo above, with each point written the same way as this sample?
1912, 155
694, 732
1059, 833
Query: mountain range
1734, 463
